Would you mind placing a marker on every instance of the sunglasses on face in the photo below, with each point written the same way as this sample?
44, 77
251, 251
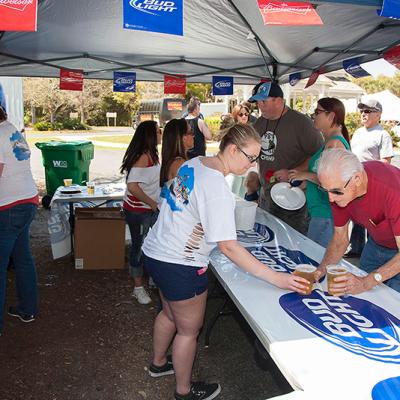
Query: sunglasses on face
243, 115
336, 192
251, 159
366, 111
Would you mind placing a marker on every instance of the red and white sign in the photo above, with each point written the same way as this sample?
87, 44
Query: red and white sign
312, 79
288, 13
174, 84
71, 80
18, 15
393, 56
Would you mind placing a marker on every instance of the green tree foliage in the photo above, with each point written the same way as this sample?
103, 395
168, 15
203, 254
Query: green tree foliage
200, 90
372, 85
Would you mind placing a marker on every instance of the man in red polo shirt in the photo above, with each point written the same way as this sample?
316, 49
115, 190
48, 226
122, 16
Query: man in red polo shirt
368, 194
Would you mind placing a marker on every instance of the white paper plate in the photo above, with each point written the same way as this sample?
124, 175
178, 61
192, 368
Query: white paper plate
288, 197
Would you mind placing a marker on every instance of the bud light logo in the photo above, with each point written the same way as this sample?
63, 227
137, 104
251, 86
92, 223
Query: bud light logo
354, 324
279, 258
389, 389
222, 85
260, 234
124, 82
152, 6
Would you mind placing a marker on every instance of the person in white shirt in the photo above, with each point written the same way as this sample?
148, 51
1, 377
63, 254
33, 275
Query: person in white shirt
197, 214
370, 142
142, 168
18, 204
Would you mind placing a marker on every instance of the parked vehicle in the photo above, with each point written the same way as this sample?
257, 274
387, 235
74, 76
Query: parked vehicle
160, 110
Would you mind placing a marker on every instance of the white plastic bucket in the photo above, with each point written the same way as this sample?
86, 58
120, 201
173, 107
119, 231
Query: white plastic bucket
245, 215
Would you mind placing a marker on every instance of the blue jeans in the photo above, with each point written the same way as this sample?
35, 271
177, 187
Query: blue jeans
139, 224
374, 256
14, 242
357, 239
320, 230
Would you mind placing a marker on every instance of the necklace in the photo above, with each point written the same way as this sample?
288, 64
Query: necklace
279, 120
224, 169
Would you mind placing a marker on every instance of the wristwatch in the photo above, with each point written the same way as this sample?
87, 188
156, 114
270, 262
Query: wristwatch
378, 277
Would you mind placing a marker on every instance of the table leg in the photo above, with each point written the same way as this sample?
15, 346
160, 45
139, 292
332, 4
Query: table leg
71, 225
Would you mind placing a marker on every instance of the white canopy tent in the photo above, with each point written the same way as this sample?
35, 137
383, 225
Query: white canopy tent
390, 104
225, 37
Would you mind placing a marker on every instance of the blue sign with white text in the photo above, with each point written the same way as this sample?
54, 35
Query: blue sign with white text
294, 78
390, 9
352, 323
353, 68
163, 16
222, 85
124, 82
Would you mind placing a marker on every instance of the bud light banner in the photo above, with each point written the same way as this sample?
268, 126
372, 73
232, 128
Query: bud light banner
353, 68
354, 324
222, 85
312, 79
18, 15
174, 84
124, 82
163, 16
393, 56
390, 9
294, 78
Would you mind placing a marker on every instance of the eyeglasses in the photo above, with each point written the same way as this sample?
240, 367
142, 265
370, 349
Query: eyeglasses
367, 111
336, 192
251, 159
243, 115
318, 111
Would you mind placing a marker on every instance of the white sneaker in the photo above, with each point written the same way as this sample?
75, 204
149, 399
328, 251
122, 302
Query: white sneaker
141, 295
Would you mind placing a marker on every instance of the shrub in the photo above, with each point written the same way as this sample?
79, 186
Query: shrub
74, 124
43, 126
213, 124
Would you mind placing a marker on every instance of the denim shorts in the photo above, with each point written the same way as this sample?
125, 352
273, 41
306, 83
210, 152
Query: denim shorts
176, 281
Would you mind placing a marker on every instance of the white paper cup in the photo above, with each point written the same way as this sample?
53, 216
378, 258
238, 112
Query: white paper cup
245, 215
67, 182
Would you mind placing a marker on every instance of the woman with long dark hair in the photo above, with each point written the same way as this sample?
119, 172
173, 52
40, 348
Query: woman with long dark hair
178, 138
328, 117
142, 168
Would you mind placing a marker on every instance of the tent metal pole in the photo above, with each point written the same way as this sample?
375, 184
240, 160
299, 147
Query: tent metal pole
356, 51
258, 40
46, 60
29, 61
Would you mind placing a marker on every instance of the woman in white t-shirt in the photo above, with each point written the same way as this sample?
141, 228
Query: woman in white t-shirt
196, 214
142, 167
18, 204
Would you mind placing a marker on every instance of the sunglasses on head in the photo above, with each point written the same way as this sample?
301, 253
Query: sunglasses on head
243, 115
251, 159
336, 192
367, 111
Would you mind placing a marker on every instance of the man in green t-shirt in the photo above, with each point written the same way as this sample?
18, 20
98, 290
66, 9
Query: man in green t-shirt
289, 139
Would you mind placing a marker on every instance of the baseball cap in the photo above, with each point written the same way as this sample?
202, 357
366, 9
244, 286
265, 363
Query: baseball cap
264, 90
370, 104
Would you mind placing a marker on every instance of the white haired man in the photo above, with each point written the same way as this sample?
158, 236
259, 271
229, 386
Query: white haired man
370, 142
368, 194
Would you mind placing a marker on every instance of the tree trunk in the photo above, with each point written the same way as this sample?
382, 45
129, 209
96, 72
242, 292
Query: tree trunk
33, 112
82, 108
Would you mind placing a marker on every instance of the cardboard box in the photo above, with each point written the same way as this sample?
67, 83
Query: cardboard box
99, 239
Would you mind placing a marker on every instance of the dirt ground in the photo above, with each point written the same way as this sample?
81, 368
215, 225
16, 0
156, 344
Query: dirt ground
92, 341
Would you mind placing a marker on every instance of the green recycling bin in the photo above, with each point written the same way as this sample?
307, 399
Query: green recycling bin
63, 160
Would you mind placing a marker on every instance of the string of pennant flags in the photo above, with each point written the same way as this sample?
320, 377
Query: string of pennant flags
221, 85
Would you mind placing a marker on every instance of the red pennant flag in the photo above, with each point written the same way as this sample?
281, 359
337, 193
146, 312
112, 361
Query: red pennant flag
312, 79
18, 15
393, 56
288, 13
174, 84
71, 80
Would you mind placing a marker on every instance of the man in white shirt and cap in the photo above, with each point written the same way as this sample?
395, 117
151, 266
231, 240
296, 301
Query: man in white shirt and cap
370, 142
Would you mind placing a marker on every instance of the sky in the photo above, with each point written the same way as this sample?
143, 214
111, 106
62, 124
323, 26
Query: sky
380, 67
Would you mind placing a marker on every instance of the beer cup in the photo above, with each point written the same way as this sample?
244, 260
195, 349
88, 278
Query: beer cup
90, 188
333, 271
67, 182
306, 271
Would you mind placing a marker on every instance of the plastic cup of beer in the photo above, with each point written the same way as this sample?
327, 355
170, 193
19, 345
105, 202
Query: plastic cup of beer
306, 271
90, 188
334, 271
67, 182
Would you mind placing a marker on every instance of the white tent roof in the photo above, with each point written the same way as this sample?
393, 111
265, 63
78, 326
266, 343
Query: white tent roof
88, 35
390, 104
